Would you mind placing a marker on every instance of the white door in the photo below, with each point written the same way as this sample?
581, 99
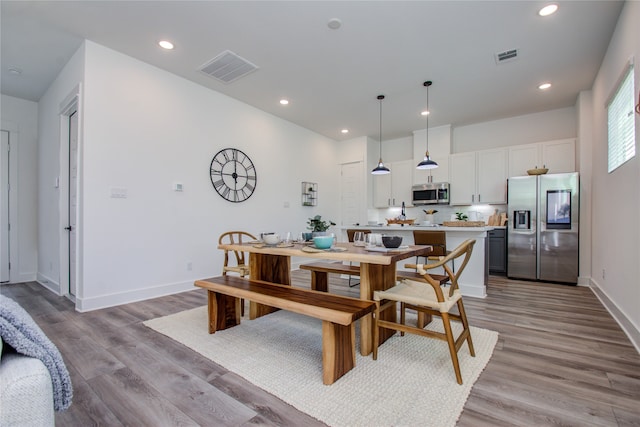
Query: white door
353, 192
4, 208
73, 199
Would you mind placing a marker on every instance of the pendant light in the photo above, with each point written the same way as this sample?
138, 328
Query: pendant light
427, 163
381, 169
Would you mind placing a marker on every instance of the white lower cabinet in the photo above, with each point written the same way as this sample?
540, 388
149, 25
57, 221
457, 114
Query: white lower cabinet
479, 177
394, 188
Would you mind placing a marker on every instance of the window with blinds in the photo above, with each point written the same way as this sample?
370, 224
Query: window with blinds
621, 123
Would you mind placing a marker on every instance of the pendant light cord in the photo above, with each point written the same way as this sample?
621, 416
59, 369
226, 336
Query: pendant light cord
380, 98
427, 84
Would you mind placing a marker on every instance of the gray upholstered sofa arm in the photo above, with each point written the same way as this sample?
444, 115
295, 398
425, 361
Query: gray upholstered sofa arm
26, 393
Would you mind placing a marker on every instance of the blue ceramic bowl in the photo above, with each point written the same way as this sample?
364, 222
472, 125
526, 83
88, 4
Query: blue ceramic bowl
323, 242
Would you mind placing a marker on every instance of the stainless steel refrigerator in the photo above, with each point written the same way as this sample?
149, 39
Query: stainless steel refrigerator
543, 229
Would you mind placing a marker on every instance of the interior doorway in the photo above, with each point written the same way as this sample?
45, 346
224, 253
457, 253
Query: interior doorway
72, 206
352, 194
5, 206
69, 199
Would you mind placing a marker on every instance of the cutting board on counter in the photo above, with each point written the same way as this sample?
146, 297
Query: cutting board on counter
463, 223
497, 219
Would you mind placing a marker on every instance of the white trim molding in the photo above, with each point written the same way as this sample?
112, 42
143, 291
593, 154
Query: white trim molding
631, 330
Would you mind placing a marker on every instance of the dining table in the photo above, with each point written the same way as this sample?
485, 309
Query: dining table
272, 263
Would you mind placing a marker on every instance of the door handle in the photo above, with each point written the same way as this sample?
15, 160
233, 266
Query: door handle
69, 228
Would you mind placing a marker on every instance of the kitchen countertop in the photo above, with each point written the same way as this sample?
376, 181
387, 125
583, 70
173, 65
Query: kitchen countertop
382, 227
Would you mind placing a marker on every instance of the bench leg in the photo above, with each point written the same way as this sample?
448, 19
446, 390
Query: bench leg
338, 350
320, 281
224, 311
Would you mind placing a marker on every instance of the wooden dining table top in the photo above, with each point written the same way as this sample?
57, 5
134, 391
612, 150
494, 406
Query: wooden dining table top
339, 252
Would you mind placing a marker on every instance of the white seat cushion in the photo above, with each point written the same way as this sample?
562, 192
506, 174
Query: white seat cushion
418, 293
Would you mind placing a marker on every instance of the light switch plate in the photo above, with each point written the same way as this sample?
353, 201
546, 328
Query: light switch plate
118, 193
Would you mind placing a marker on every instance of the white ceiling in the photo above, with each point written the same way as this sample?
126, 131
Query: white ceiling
332, 77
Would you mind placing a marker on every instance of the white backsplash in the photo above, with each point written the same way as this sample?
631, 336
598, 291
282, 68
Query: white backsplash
444, 212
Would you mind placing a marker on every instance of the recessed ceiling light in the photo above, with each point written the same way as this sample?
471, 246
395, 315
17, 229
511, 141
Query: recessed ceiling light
544, 86
548, 10
334, 23
345, 131
284, 101
165, 44
425, 113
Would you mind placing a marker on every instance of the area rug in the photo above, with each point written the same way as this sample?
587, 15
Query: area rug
411, 384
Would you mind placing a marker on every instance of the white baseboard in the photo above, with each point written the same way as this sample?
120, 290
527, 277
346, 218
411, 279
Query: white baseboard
49, 283
104, 301
627, 326
584, 281
476, 291
25, 277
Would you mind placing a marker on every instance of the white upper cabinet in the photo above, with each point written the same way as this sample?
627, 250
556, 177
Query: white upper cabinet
492, 176
439, 150
479, 177
462, 185
524, 157
394, 188
558, 156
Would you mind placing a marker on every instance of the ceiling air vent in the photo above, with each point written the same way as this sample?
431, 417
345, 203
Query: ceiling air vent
228, 67
506, 56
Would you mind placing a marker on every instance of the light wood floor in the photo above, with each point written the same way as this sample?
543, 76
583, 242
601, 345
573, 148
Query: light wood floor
560, 360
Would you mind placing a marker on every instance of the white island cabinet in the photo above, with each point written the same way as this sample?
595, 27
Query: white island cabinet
473, 281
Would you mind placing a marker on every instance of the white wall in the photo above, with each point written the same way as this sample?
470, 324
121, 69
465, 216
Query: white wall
584, 165
526, 129
616, 196
144, 129
20, 118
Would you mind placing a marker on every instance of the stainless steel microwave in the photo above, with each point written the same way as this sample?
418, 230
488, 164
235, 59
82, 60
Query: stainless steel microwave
433, 193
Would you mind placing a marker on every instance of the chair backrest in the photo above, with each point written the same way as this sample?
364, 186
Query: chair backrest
233, 237
437, 239
352, 231
464, 249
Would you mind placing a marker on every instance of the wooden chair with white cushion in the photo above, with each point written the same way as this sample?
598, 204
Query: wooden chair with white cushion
429, 297
238, 263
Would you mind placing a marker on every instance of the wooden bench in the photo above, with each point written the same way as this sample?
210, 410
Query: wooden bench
337, 313
320, 272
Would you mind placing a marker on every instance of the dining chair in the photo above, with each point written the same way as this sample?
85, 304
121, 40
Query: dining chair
437, 239
429, 297
239, 262
350, 234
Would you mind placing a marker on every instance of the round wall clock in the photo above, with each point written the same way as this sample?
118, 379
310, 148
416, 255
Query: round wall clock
233, 175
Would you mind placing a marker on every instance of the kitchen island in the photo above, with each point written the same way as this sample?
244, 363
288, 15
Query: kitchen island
473, 281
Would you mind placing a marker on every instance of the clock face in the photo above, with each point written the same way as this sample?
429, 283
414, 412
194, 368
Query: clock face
233, 175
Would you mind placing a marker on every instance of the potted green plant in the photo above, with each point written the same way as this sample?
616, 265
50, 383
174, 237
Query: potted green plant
461, 216
318, 225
